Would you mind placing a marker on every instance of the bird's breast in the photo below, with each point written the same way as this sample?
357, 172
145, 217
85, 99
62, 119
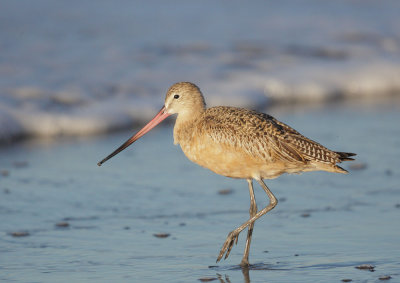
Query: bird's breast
220, 158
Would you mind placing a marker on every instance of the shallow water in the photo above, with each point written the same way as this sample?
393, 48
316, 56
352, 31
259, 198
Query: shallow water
323, 227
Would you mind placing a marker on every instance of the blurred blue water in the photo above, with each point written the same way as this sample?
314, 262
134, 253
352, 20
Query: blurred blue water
83, 67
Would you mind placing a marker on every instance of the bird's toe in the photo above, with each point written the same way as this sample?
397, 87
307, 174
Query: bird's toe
228, 244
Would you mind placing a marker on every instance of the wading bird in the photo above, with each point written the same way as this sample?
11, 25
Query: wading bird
239, 143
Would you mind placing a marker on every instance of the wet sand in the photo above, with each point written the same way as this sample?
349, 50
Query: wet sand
150, 215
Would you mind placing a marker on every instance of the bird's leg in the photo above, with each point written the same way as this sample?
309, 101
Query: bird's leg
252, 212
233, 235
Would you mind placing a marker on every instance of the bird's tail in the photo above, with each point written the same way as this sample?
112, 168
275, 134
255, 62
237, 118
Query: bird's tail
343, 156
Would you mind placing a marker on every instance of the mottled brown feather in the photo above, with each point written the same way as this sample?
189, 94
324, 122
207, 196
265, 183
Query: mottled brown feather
260, 133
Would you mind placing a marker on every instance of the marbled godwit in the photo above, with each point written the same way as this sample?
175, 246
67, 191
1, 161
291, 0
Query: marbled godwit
239, 143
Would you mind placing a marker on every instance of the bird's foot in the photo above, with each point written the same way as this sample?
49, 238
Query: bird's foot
244, 263
227, 247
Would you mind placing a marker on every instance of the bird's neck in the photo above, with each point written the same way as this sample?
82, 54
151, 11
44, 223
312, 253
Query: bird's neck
190, 115
184, 125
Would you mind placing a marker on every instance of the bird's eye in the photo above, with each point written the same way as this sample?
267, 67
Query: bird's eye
176, 96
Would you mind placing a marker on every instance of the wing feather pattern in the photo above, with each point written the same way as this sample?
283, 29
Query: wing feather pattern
263, 136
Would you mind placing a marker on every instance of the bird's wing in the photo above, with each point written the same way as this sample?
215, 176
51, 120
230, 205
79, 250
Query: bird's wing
263, 136
309, 149
256, 133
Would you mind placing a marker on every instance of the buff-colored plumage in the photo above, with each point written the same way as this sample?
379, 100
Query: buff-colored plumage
240, 143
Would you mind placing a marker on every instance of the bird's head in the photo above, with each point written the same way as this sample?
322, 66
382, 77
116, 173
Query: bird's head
184, 98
